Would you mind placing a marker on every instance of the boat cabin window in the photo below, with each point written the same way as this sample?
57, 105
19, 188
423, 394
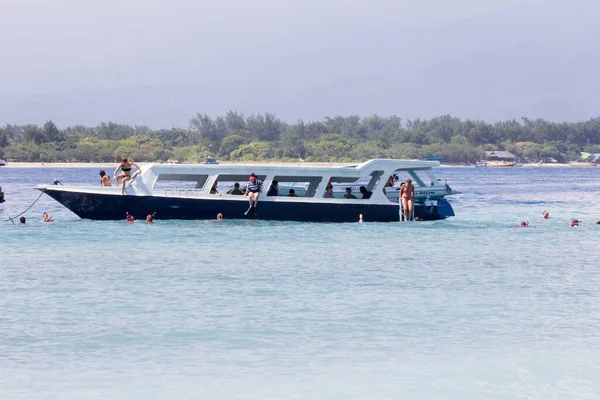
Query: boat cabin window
419, 178
180, 181
340, 184
226, 183
302, 186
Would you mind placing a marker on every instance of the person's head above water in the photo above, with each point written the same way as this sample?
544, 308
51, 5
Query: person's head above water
545, 214
219, 217
22, 220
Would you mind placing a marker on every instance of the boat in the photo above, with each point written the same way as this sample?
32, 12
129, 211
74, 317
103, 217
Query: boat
501, 164
2, 163
183, 191
582, 164
480, 164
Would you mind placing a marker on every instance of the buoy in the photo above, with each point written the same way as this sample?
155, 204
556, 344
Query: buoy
360, 218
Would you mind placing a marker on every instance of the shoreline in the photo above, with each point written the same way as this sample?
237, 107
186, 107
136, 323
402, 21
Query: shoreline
12, 165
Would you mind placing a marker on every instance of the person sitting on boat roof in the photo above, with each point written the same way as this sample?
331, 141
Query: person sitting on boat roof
348, 194
253, 191
292, 193
104, 179
125, 176
213, 189
545, 214
366, 194
236, 190
274, 189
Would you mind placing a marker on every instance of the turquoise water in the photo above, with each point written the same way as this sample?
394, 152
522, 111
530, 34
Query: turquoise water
468, 308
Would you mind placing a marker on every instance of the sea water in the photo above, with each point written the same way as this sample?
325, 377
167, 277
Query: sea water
468, 308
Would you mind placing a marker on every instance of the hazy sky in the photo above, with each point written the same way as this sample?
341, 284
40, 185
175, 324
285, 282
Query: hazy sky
65, 45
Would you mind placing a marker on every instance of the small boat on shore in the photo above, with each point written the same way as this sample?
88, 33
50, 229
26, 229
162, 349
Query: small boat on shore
183, 191
582, 164
2, 163
501, 164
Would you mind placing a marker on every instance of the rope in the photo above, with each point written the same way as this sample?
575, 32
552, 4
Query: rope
27, 209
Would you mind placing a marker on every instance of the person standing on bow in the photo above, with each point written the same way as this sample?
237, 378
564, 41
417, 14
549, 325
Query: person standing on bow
407, 195
253, 191
125, 176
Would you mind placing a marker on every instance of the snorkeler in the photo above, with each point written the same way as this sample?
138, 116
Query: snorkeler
545, 214
45, 217
150, 218
129, 218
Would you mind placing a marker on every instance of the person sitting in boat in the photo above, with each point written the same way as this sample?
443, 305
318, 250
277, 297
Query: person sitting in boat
545, 214
125, 176
236, 190
274, 189
292, 193
213, 189
104, 179
348, 194
253, 191
329, 192
407, 195
366, 194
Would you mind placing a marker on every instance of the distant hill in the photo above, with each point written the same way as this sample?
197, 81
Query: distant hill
537, 60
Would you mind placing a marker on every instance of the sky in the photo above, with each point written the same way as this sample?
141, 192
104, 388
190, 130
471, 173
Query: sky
250, 55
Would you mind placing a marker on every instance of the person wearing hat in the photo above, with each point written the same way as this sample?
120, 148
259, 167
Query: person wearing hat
407, 196
252, 191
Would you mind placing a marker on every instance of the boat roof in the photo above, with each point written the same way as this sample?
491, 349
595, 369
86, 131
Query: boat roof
370, 165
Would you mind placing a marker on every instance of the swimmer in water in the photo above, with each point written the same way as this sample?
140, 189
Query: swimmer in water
150, 218
219, 217
129, 218
45, 217
524, 223
545, 214
575, 222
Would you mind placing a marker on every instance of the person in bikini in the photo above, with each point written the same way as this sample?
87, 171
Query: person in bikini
125, 176
253, 191
407, 195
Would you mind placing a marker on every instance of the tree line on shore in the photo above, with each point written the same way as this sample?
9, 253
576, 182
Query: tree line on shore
259, 137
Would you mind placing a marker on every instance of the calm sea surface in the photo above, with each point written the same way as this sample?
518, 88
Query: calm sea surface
468, 308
